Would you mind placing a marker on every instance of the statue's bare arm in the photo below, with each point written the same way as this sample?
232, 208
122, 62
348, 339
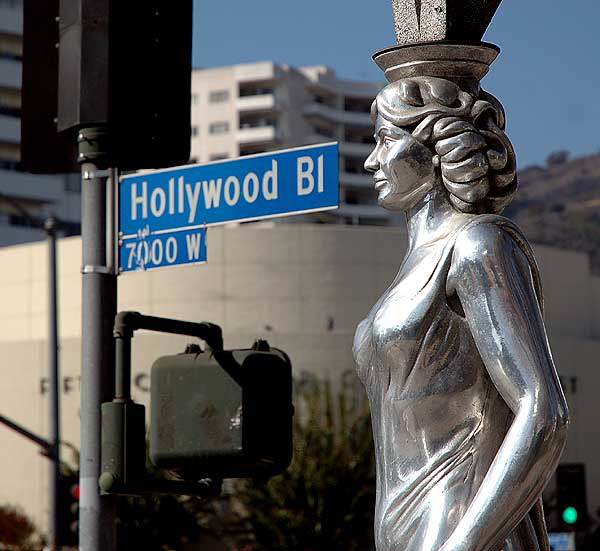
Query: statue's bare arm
491, 277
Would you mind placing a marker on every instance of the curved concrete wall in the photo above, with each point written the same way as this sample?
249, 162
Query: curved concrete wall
303, 288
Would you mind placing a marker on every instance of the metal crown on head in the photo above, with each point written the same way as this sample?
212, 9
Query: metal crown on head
439, 38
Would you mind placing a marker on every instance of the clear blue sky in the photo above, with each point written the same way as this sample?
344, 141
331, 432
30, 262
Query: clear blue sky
547, 76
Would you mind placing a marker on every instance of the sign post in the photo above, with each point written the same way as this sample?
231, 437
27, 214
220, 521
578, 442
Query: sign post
163, 214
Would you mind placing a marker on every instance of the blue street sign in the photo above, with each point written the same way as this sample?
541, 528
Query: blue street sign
179, 203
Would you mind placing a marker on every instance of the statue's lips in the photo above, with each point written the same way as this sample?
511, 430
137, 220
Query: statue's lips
379, 184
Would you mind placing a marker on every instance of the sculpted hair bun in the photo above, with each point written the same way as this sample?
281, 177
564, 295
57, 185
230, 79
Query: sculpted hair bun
465, 129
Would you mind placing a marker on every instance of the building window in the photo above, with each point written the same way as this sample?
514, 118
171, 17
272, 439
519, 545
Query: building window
254, 90
11, 46
252, 150
256, 121
11, 3
10, 101
195, 131
194, 99
218, 96
218, 127
329, 100
358, 136
358, 105
10, 154
218, 156
9, 111
359, 197
325, 132
354, 166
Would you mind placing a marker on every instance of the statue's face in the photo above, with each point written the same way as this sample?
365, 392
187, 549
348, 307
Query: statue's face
402, 167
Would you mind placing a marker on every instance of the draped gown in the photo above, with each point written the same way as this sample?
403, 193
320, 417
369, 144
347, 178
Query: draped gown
438, 420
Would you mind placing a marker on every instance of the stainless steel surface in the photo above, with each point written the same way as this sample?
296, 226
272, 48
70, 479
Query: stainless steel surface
436, 60
469, 418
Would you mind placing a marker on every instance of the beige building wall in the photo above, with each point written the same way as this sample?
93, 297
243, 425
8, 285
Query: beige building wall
303, 288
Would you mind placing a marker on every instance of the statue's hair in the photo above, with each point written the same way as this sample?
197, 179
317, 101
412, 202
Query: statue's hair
465, 130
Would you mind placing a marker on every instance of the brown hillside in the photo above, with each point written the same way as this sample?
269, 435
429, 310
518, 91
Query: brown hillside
559, 204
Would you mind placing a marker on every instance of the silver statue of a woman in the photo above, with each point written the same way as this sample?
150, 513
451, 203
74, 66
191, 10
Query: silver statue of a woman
469, 418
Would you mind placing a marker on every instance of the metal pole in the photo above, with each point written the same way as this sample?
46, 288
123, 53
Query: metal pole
51, 226
97, 513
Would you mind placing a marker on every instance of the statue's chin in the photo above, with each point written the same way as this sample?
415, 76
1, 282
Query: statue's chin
397, 201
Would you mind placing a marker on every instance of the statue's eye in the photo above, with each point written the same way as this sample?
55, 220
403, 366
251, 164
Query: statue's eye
389, 142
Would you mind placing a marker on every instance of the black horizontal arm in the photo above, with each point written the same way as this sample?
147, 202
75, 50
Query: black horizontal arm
127, 322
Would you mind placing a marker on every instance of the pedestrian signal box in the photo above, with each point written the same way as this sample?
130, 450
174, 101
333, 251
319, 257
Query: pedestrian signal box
230, 417
215, 413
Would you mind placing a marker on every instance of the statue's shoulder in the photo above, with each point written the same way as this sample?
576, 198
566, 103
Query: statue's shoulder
485, 233
490, 241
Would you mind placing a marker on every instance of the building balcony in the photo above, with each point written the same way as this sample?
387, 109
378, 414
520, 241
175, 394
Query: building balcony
256, 135
315, 138
16, 235
262, 102
10, 73
351, 149
36, 189
10, 129
255, 72
360, 179
320, 110
11, 19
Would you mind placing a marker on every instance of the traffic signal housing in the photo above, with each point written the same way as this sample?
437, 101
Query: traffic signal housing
215, 413
68, 514
121, 65
43, 150
230, 417
571, 497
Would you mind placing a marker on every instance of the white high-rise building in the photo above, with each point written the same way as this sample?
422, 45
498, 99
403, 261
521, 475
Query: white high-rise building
256, 107
236, 110
25, 199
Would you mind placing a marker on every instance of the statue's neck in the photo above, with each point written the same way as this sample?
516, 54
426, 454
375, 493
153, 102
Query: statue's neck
432, 218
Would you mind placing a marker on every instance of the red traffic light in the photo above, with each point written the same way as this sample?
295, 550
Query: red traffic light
75, 491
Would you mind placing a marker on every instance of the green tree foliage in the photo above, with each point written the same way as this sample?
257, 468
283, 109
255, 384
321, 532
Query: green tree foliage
325, 500
156, 523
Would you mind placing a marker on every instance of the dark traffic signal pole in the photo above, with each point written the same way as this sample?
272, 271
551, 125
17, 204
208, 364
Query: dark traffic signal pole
51, 226
119, 87
97, 514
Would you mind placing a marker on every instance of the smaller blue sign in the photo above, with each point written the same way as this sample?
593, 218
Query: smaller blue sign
562, 541
146, 251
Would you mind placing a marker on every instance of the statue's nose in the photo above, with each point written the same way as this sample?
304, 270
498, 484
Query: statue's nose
371, 163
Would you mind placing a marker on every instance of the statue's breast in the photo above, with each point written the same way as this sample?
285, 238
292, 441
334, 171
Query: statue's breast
390, 336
